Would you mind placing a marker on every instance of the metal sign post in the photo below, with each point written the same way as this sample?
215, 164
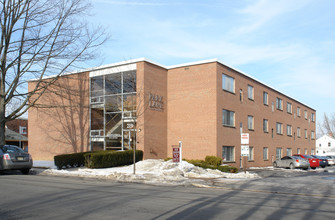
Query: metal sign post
244, 150
180, 155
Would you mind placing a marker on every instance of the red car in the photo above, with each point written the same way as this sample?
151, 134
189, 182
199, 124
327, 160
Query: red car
313, 162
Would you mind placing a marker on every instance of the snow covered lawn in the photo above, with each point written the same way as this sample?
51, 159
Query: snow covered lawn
157, 172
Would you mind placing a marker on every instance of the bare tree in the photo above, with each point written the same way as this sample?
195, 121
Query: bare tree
328, 125
40, 38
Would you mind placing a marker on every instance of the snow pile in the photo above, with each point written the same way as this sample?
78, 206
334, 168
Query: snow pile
158, 172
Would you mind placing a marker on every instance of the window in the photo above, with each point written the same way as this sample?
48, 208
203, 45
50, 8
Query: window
279, 128
265, 125
265, 153
306, 114
228, 83
298, 151
298, 132
265, 98
278, 153
298, 112
312, 152
279, 104
289, 152
228, 118
312, 135
313, 117
289, 130
289, 108
228, 153
306, 134
251, 153
241, 95
250, 92
250, 122
306, 152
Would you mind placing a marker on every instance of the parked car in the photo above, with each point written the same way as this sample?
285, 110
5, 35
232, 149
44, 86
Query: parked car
313, 162
291, 162
322, 161
331, 160
14, 158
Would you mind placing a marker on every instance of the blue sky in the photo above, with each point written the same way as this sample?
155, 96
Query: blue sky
289, 45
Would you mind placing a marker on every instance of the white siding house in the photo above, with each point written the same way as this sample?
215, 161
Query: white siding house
325, 146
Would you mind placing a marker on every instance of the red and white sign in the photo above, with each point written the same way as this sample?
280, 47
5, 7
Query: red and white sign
176, 154
245, 138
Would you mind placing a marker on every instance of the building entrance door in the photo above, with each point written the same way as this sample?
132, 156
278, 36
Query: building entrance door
129, 139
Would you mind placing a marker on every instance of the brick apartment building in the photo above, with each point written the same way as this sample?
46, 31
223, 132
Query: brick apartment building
205, 104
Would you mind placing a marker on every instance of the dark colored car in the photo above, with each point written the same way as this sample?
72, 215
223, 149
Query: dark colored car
313, 162
14, 158
322, 161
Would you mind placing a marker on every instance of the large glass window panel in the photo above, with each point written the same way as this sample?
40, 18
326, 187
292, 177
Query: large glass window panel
113, 84
228, 83
97, 146
228, 153
97, 86
113, 124
228, 118
129, 102
129, 82
113, 103
97, 119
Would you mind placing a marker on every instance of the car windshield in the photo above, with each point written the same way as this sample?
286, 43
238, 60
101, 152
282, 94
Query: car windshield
11, 149
309, 157
296, 157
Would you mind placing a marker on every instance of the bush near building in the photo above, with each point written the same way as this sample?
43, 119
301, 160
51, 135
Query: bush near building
213, 162
97, 159
105, 159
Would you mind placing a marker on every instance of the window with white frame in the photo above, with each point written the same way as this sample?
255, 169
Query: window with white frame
312, 152
289, 107
251, 153
279, 128
228, 83
298, 112
289, 152
312, 135
306, 114
265, 125
265, 98
228, 153
298, 150
313, 117
250, 92
306, 151
289, 130
279, 103
306, 134
251, 122
278, 153
228, 118
298, 132
265, 153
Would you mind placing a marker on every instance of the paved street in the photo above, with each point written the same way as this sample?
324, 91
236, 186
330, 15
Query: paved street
49, 197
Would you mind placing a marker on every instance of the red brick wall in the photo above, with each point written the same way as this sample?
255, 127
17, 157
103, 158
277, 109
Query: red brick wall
60, 122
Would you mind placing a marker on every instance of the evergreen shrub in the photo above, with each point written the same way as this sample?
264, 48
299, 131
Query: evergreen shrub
105, 159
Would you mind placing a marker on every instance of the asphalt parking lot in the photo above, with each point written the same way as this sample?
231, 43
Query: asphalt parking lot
319, 182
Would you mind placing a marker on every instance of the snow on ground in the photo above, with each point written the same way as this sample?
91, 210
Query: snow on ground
157, 172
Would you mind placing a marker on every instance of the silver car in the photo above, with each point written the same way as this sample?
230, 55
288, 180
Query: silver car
14, 158
292, 162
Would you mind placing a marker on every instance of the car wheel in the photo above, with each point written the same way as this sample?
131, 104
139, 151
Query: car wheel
275, 165
292, 166
25, 171
305, 168
313, 168
323, 166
